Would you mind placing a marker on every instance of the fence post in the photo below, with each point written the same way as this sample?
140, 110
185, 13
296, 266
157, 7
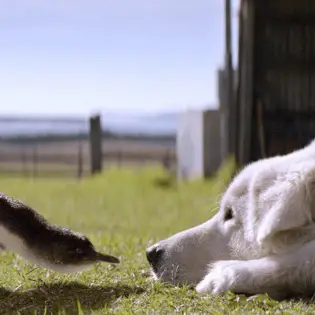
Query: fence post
80, 160
24, 171
35, 160
119, 158
166, 160
96, 144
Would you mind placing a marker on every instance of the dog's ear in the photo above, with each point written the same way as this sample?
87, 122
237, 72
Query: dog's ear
285, 205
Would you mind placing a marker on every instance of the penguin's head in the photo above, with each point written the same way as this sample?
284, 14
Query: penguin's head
68, 251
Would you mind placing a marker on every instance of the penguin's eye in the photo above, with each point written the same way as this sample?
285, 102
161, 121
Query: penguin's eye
75, 251
79, 251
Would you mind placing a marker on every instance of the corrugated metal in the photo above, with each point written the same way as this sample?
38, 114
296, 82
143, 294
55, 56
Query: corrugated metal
283, 76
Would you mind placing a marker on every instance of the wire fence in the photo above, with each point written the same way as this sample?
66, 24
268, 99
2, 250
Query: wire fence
62, 147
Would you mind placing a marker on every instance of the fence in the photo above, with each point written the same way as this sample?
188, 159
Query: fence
40, 160
84, 150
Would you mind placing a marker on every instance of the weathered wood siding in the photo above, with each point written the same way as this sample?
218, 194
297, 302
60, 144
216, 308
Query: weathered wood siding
282, 74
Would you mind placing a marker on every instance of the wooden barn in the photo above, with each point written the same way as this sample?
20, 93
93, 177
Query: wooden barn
275, 105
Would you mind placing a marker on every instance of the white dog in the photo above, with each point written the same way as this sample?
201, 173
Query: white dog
262, 240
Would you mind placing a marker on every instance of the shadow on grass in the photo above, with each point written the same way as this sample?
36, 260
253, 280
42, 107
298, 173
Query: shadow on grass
62, 297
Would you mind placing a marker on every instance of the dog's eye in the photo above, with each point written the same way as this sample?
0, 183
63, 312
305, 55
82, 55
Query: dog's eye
228, 214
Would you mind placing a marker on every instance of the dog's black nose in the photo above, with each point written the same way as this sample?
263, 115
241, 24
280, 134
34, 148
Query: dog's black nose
154, 254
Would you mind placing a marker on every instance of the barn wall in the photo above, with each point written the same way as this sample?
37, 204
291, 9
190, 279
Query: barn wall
285, 74
244, 99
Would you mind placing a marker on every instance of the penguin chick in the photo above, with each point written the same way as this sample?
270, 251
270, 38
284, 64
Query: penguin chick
28, 234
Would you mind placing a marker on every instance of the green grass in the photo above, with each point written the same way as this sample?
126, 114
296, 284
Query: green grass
122, 212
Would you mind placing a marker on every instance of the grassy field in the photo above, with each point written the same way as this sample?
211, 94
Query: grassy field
122, 212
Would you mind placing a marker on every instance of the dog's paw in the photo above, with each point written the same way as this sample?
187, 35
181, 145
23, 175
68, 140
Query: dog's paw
223, 276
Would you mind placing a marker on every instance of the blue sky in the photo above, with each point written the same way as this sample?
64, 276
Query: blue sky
78, 57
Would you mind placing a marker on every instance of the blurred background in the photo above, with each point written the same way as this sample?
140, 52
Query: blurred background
136, 64
89, 84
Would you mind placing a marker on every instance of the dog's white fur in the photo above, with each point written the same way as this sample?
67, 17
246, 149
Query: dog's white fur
268, 246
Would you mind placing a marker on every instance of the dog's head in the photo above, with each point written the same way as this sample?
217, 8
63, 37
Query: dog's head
267, 209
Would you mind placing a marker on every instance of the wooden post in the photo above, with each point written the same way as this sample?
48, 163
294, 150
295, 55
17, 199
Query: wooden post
230, 78
35, 159
246, 83
96, 144
24, 171
261, 130
80, 160
166, 161
120, 156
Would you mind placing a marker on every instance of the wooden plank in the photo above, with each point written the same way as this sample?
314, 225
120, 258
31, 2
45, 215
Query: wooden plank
246, 82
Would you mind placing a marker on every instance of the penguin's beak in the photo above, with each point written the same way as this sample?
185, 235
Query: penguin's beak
107, 258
